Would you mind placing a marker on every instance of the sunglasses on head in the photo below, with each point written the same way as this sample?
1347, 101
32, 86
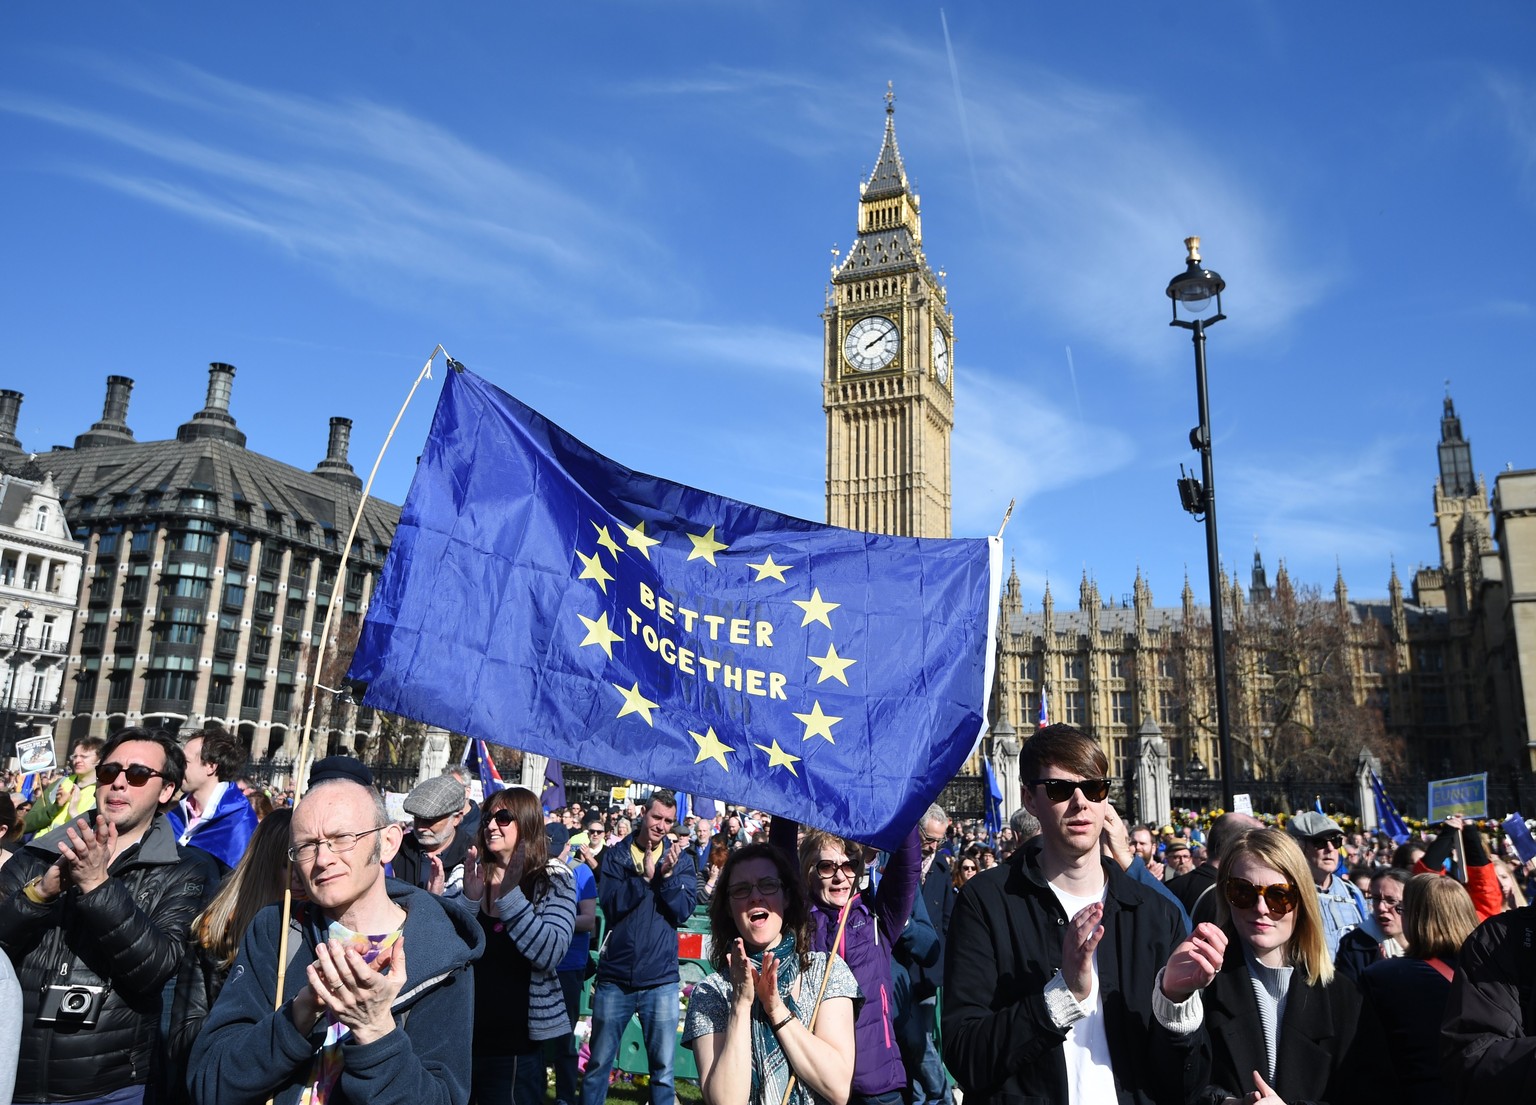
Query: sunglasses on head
137, 774
1326, 840
1280, 897
1060, 790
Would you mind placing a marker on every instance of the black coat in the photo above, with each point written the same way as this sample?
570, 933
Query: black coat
1488, 1039
1004, 946
1408, 996
938, 894
129, 933
1197, 891
1331, 1048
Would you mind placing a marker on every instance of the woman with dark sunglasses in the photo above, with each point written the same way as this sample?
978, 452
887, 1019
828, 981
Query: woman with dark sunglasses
1277, 1024
750, 1024
833, 870
526, 904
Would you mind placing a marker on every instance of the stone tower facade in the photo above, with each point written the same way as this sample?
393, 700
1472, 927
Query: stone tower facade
888, 369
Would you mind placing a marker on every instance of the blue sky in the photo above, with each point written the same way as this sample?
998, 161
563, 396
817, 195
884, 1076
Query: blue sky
623, 214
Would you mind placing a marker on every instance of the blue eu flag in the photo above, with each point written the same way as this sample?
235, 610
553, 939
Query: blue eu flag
541, 596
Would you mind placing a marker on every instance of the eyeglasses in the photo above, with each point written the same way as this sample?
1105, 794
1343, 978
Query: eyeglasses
1280, 897
741, 891
503, 817
1394, 904
1060, 790
1326, 840
137, 774
340, 844
826, 868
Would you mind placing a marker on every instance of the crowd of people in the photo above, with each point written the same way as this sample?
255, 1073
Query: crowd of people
173, 936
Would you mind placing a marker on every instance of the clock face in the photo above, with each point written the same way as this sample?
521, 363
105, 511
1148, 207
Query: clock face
940, 355
872, 343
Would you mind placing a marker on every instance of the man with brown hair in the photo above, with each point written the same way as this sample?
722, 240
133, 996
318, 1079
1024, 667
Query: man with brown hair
1052, 957
214, 815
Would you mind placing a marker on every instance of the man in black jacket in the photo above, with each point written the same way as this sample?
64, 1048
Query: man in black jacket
1488, 1035
95, 918
1051, 958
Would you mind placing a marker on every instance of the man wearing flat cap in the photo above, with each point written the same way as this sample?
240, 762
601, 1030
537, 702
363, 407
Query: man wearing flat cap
1342, 903
432, 854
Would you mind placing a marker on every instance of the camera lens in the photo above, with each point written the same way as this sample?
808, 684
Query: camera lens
76, 1001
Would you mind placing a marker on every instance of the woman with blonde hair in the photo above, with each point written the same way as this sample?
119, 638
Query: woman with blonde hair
1408, 994
1509, 884
256, 882
1277, 1024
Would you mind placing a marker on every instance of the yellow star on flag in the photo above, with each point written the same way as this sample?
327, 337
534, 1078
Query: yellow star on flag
635, 703
598, 633
705, 545
711, 747
816, 609
832, 665
636, 539
768, 568
777, 757
818, 724
593, 569
605, 539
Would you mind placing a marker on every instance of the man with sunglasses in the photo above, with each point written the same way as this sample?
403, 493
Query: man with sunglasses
1052, 957
94, 916
1342, 903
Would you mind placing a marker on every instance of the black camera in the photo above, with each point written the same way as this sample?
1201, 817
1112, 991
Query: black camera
77, 1006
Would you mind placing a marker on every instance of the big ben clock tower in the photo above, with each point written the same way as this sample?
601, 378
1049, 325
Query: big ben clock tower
888, 373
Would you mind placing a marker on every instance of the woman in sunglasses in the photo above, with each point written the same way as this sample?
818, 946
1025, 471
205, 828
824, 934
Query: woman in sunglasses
750, 1025
1277, 1023
967, 868
833, 869
527, 906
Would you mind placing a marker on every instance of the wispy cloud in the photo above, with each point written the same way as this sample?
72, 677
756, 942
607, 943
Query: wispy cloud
347, 184
1312, 507
1016, 444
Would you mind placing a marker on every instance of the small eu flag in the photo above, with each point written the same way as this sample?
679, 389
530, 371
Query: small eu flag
541, 596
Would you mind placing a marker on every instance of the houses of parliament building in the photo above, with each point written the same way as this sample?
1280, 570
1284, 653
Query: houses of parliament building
187, 579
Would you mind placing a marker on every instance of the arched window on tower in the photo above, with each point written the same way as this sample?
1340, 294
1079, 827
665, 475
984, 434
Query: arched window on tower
42, 518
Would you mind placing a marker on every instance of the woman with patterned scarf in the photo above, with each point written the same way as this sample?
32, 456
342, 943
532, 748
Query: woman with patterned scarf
776, 1018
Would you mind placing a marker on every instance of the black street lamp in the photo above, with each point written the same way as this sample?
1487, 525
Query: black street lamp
9, 738
1198, 291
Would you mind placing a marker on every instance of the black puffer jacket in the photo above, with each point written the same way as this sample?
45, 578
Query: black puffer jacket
128, 934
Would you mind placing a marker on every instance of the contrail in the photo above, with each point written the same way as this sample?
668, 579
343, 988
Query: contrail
965, 128
1072, 371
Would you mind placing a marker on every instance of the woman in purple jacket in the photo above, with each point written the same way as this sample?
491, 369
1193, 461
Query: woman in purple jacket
833, 869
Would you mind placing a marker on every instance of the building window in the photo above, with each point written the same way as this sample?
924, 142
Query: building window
250, 697
239, 549
218, 694
1119, 664
234, 595
42, 514
188, 587
1123, 758
1167, 708
1072, 708
107, 546
1167, 666
143, 540
1072, 668
1120, 708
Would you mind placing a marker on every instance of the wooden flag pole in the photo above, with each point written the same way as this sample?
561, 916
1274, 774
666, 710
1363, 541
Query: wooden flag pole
837, 942
302, 764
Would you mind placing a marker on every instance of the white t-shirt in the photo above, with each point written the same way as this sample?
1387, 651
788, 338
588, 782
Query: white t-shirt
1090, 1078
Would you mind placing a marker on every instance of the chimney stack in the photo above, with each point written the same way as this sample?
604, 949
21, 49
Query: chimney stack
214, 420
335, 466
113, 427
10, 411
